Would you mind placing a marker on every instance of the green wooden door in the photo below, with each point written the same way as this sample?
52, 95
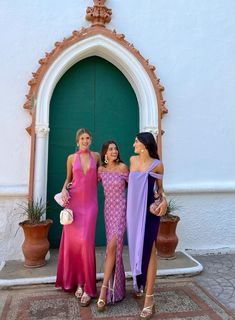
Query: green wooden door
93, 94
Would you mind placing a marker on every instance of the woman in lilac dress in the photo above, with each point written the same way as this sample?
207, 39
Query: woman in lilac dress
113, 174
76, 262
145, 182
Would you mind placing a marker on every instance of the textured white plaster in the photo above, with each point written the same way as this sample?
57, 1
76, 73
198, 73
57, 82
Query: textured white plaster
11, 235
207, 221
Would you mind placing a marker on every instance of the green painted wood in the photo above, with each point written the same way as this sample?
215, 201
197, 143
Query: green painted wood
93, 94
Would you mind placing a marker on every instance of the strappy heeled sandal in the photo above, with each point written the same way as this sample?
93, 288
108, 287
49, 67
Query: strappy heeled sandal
148, 311
101, 303
79, 292
138, 294
85, 300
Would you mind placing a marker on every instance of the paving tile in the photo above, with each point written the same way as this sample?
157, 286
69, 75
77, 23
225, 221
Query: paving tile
217, 278
176, 300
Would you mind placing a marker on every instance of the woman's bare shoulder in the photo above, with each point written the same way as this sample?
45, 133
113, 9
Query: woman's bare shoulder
123, 167
95, 153
159, 168
96, 156
101, 169
134, 159
70, 157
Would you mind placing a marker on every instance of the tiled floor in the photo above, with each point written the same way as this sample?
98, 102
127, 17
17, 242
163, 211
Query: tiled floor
205, 296
180, 299
218, 277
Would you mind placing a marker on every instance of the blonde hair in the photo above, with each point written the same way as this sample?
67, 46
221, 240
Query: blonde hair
80, 132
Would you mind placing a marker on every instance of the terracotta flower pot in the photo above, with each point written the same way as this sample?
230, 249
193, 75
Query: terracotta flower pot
36, 244
167, 239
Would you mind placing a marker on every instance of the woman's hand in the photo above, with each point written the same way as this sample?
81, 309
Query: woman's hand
65, 196
161, 209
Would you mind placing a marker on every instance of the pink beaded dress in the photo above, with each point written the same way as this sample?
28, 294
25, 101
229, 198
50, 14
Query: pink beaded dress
76, 261
114, 184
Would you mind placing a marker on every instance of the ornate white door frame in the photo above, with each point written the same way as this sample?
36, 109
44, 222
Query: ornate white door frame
124, 60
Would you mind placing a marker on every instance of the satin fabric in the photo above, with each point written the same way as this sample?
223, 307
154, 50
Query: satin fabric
76, 260
136, 216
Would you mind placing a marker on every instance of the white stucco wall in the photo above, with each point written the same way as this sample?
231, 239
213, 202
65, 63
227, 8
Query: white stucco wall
192, 45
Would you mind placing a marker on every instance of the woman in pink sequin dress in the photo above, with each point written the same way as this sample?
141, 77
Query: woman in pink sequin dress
76, 262
113, 174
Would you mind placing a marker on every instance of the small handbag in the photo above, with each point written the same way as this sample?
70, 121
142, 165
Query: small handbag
153, 206
66, 216
59, 200
58, 196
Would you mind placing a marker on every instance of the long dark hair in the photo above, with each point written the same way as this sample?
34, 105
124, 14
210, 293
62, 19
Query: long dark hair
104, 149
149, 142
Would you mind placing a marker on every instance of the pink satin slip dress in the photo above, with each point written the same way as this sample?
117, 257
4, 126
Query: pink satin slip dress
76, 260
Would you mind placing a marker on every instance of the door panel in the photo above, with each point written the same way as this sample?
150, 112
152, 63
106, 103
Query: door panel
93, 94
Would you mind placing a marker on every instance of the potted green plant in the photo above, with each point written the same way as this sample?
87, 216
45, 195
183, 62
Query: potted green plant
167, 239
35, 227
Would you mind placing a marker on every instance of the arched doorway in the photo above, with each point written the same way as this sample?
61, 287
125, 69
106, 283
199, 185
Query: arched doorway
93, 93
107, 46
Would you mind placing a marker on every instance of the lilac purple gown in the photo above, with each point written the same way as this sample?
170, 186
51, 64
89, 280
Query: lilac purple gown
76, 261
142, 225
114, 185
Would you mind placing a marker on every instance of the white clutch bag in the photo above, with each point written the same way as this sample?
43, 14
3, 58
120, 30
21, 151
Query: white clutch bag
66, 216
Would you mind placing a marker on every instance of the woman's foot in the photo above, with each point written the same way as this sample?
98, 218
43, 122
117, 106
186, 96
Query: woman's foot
138, 294
149, 308
79, 292
101, 303
85, 300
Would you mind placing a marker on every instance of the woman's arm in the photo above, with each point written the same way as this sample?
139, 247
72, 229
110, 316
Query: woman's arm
133, 162
99, 171
161, 209
96, 156
69, 177
123, 167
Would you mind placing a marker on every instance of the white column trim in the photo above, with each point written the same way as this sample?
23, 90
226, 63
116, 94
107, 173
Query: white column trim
14, 190
181, 188
206, 187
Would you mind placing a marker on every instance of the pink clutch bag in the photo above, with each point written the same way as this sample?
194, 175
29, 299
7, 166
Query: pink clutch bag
153, 206
59, 200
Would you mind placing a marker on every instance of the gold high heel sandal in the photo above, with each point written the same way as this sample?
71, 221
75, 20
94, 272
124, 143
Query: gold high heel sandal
101, 303
85, 300
79, 292
148, 311
138, 294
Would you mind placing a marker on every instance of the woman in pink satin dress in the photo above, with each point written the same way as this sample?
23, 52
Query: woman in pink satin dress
76, 268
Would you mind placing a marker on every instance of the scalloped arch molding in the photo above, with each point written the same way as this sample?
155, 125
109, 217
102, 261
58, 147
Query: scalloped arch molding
115, 53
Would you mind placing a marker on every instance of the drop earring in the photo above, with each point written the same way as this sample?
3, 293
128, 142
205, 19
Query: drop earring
106, 161
142, 150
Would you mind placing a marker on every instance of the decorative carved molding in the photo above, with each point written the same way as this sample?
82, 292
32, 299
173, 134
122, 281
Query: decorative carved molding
151, 129
99, 14
41, 131
29, 130
79, 35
